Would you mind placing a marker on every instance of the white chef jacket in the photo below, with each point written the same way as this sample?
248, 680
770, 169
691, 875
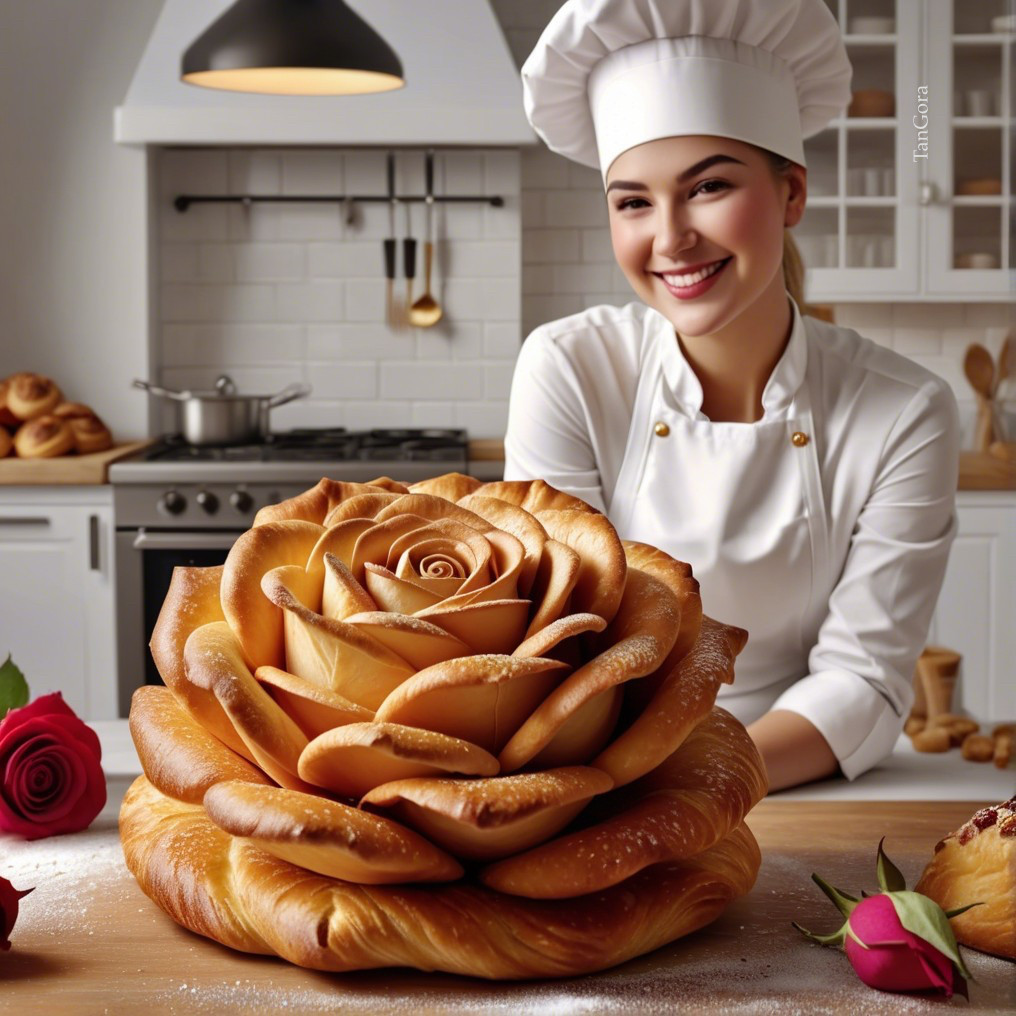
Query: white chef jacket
823, 529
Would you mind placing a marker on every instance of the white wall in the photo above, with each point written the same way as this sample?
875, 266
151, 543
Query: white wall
73, 291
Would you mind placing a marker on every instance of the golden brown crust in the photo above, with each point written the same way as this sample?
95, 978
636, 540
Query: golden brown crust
6, 443
43, 437
466, 622
231, 891
175, 751
30, 396
977, 864
90, 434
683, 697
683, 807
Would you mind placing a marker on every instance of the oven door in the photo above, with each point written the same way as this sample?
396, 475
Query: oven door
145, 560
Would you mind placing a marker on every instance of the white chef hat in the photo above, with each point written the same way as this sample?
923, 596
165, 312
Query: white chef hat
607, 75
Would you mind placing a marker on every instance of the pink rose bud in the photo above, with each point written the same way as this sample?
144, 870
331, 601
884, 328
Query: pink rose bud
897, 940
51, 779
896, 959
9, 897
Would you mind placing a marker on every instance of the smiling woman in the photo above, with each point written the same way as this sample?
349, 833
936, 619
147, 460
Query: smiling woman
806, 473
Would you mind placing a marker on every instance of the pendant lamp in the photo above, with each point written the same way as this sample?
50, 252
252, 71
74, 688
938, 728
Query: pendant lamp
292, 47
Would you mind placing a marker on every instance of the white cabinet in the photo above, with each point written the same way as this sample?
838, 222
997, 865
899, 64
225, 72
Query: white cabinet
57, 615
976, 612
909, 194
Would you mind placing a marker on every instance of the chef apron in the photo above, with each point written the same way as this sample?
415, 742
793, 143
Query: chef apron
743, 505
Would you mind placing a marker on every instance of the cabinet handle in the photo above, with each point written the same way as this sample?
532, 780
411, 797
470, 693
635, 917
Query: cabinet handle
928, 193
93, 542
24, 520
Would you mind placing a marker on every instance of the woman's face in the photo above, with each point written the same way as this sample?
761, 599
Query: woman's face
697, 226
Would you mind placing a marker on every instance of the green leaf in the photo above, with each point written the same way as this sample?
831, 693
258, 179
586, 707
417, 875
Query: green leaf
925, 918
963, 910
890, 878
836, 938
13, 687
844, 903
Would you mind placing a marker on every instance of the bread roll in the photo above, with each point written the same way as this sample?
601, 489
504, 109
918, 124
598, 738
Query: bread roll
44, 438
90, 434
32, 395
977, 864
6, 442
7, 418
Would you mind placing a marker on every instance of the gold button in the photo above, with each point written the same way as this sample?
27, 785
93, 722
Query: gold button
661, 429
799, 438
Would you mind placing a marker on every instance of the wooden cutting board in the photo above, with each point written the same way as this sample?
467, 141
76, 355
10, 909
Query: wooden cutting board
65, 469
88, 940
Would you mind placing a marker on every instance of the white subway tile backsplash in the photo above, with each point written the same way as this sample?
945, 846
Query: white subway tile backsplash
551, 246
421, 381
501, 339
311, 301
499, 379
488, 417
343, 381
269, 262
362, 415
575, 208
296, 286
179, 262
255, 172
312, 171
216, 263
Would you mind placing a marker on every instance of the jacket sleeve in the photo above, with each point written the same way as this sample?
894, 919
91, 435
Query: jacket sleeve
548, 435
859, 691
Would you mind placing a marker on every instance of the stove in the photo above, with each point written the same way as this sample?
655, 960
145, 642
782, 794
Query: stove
222, 487
180, 505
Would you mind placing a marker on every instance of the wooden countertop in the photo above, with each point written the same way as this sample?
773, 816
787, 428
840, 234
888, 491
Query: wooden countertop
65, 469
88, 940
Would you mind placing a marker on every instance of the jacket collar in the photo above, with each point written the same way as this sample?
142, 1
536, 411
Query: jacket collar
778, 394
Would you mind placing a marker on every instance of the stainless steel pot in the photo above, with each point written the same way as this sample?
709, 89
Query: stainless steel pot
221, 417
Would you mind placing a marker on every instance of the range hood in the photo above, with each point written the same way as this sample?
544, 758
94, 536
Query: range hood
462, 87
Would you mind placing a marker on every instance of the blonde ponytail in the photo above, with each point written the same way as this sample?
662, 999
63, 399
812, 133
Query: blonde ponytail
793, 269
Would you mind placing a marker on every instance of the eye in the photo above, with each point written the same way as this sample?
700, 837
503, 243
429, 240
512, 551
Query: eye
710, 187
626, 203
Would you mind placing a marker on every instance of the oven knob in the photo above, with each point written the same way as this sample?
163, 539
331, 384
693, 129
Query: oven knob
241, 501
208, 501
172, 502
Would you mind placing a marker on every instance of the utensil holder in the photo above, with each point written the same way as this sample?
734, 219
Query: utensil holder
935, 678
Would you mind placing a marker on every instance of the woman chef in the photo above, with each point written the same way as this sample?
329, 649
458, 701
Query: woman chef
806, 473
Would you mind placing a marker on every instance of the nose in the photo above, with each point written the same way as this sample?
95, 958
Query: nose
673, 236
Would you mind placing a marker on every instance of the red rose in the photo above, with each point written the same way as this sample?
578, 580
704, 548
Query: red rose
51, 780
9, 897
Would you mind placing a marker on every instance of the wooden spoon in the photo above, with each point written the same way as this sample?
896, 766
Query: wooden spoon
979, 369
427, 311
1006, 362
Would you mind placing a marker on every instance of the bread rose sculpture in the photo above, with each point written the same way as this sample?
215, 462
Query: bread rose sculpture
453, 726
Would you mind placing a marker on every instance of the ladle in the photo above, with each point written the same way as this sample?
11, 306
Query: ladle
427, 311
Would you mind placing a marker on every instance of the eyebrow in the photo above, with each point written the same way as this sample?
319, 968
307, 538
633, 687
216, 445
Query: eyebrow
706, 163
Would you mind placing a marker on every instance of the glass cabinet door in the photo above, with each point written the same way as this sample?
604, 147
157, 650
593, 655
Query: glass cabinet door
969, 194
859, 235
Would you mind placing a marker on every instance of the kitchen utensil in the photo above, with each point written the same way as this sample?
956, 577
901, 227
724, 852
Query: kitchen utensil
1006, 362
979, 369
221, 417
872, 102
427, 311
408, 261
389, 248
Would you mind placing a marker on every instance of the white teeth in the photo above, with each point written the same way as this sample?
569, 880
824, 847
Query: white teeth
681, 281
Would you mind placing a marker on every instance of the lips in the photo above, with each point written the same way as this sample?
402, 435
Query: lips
693, 275
691, 285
